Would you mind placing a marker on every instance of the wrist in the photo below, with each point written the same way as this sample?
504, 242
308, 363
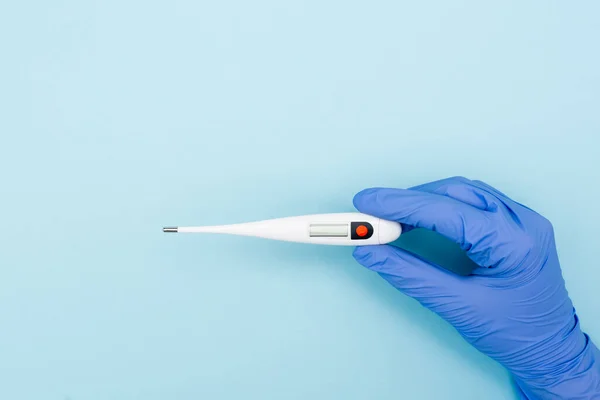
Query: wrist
575, 377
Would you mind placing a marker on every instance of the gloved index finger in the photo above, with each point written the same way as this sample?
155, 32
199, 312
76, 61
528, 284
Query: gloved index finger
460, 222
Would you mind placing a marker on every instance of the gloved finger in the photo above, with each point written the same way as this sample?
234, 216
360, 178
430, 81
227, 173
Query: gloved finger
434, 287
476, 193
518, 212
463, 190
490, 189
460, 222
479, 195
514, 218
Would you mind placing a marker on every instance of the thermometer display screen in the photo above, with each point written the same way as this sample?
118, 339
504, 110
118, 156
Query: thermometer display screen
329, 230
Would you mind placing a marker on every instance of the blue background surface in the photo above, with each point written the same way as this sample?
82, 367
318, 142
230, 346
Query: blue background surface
119, 117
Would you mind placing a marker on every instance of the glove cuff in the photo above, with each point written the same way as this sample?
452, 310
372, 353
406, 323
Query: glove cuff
578, 379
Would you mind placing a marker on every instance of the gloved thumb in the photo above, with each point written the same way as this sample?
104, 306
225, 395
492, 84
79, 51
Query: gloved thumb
431, 285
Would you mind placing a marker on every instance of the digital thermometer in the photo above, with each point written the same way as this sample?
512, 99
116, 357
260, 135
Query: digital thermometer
341, 229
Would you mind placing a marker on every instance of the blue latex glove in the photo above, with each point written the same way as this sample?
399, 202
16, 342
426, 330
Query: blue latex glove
515, 307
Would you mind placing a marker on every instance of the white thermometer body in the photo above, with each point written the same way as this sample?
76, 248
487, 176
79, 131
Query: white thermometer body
341, 229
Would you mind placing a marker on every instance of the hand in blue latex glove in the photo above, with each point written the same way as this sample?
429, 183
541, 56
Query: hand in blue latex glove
515, 307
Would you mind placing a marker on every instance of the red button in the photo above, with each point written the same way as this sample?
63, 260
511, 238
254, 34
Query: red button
361, 230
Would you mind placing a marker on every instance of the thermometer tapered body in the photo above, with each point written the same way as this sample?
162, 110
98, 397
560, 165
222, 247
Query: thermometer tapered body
341, 229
